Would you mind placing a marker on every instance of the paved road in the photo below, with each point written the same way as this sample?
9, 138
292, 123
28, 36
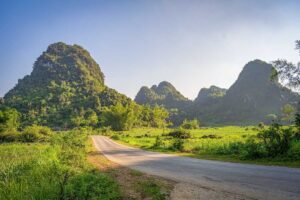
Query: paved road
250, 181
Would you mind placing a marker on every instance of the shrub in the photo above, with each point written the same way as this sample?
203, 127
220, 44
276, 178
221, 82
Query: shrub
90, 185
35, 133
294, 151
115, 137
190, 124
9, 136
252, 150
158, 142
277, 140
177, 144
180, 133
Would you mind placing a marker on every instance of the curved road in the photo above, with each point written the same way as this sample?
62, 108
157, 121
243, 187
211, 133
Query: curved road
249, 181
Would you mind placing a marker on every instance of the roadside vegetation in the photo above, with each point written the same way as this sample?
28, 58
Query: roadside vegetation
39, 163
274, 144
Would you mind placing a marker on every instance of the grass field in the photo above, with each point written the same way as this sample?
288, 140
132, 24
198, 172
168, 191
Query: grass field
55, 170
68, 167
218, 143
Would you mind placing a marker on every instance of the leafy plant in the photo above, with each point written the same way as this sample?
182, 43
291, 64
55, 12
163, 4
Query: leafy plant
190, 124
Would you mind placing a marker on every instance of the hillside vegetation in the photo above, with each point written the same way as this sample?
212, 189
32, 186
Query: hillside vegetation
66, 89
253, 98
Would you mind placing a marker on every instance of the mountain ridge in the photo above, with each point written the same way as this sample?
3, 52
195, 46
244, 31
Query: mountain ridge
249, 100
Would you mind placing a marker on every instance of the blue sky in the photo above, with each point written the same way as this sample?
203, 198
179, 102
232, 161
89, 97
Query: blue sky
192, 44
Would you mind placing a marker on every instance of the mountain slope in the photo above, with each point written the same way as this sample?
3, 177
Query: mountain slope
250, 99
165, 94
65, 86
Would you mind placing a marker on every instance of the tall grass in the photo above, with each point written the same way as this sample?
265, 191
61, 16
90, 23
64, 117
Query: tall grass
231, 143
54, 170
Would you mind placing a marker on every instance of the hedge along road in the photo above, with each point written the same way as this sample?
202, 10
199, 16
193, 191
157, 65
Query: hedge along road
247, 181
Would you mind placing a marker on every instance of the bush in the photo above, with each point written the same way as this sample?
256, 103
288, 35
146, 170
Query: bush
180, 133
277, 140
178, 144
115, 137
9, 136
190, 124
158, 142
252, 150
90, 185
35, 133
294, 151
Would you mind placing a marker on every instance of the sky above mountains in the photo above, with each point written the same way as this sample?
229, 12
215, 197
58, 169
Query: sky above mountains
192, 44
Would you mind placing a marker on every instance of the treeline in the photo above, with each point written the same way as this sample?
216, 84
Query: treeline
117, 117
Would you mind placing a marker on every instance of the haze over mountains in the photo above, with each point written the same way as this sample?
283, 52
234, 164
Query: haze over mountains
250, 100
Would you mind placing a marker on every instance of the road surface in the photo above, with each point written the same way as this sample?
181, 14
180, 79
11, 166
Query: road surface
249, 181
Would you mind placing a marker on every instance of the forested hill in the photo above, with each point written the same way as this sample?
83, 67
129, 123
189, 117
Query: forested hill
253, 98
164, 94
65, 87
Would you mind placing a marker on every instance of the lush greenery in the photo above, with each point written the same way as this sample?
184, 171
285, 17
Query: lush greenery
121, 117
263, 144
57, 169
65, 89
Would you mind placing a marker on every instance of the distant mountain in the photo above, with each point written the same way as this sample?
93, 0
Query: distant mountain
165, 94
249, 100
66, 83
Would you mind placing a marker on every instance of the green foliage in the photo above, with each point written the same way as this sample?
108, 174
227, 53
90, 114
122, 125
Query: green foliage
288, 113
158, 142
190, 124
9, 119
52, 171
276, 139
120, 117
90, 185
177, 144
124, 117
65, 90
154, 116
180, 133
230, 143
35, 133
9, 136
151, 189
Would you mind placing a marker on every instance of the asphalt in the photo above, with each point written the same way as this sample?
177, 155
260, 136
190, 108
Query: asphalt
249, 181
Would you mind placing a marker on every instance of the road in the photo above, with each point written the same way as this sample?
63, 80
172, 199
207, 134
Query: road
249, 181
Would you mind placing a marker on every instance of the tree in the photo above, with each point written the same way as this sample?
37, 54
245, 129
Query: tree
9, 119
287, 72
288, 113
120, 117
190, 124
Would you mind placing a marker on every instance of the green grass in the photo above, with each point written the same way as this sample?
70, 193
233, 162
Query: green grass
56, 170
151, 188
205, 143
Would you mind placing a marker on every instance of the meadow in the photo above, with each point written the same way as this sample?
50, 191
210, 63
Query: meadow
229, 143
57, 169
